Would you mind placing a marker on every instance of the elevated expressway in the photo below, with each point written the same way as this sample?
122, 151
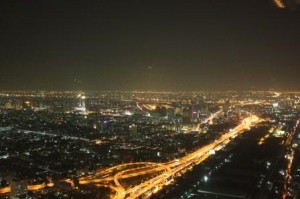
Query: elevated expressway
141, 179
153, 176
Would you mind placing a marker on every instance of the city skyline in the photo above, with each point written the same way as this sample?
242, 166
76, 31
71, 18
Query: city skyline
133, 145
143, 45
145, 99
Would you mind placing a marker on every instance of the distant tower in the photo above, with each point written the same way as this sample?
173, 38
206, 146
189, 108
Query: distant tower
133, 130
18, 104
82, 101
104, 126
81, 104
8, 105
178, 128
195, 113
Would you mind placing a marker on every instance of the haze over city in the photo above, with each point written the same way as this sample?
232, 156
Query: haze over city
149, 45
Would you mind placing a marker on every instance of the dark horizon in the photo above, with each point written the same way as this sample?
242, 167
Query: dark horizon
147, 91
147, 45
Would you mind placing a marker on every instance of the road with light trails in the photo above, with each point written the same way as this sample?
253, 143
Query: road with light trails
36, 187
290, 157
191, 159
207, 120
5, 190
164, 172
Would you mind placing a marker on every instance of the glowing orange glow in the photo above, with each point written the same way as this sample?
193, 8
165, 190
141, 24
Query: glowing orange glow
279, 3
4, 190
36, 187
166, 171
111, 177
70, 182
50, 184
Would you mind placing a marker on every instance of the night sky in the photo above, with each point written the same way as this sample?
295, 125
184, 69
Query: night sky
149, 45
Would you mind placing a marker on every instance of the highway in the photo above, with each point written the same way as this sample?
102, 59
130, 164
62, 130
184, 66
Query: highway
36, 187
165, 172
152, 176
207, 120
5, 190
290, 157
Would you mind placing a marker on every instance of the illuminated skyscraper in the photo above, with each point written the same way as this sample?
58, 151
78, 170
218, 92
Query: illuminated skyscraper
133, 130
81, 104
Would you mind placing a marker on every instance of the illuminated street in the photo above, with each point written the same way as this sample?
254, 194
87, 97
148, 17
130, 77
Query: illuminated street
165, 171
150, 99
170, 169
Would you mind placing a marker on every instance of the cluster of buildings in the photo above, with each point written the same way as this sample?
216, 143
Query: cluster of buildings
50, 136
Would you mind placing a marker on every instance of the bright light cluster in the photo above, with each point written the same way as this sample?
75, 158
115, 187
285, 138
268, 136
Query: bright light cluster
279, 3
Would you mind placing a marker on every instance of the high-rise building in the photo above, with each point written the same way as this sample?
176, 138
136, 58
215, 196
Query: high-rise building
8, 105
81, 103
133, 132
18, 104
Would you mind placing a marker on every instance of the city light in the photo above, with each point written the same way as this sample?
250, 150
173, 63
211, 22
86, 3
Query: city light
172, 146
150, 99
